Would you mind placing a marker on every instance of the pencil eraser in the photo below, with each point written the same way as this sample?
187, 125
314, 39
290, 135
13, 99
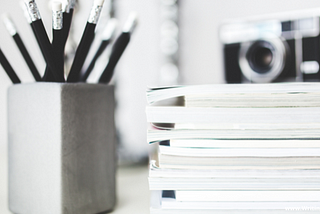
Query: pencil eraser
110, 29
131, 22
6, 17
65, 5
9, 24
25, 11
56, 6
98, 2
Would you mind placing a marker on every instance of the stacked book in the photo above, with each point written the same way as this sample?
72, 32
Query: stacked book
237, 148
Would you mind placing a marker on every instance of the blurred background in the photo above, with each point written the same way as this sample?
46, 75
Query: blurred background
175, 42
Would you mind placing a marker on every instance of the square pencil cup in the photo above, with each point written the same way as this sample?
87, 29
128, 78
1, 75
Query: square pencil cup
61, 148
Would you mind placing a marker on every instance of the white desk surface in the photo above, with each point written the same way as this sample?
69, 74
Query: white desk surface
133, 193
132, 189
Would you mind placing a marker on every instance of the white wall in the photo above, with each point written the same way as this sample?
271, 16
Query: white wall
139, 68
200, 60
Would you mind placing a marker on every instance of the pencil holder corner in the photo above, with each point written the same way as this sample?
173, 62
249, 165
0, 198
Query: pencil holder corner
61, 148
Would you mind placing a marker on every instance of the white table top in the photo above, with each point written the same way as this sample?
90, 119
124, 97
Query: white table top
133, 193
132, 188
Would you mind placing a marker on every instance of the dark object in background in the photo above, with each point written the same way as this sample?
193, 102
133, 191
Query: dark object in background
20, 44
85, 42
43, 39
274, 49
8, 68
119, 47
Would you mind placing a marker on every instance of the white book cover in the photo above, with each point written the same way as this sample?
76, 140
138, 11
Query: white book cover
239, 126
161, 204
300, 116
239, 152
208, 143
258, 163
289, 196
171, 203
270, 100
157, 172
179, 134
282, 89
234, 183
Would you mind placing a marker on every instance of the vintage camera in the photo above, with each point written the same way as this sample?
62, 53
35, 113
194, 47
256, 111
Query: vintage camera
275, 48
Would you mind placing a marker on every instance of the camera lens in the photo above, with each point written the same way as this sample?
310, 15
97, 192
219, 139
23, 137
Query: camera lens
260, 56
263, 60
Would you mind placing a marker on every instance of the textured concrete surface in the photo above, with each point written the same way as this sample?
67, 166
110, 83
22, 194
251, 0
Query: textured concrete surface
61, 148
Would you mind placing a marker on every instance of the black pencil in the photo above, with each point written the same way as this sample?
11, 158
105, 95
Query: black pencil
8, 68
118, 48
67, 19
43, 39
27, 16
106, 39
57, 42
85, 42
15, 35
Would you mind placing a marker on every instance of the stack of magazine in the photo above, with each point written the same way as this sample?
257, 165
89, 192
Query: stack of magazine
235, 148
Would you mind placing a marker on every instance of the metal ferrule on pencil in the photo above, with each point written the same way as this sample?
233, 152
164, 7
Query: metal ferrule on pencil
95, 14
9, 25
25, 11
57, 20
33, 10
72, 4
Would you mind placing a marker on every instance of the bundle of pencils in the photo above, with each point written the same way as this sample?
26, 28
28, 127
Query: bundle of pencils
53, 52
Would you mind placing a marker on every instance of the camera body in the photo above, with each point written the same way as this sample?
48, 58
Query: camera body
275, 48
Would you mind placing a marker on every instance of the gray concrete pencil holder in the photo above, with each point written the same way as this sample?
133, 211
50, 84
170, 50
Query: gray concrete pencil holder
61, 148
